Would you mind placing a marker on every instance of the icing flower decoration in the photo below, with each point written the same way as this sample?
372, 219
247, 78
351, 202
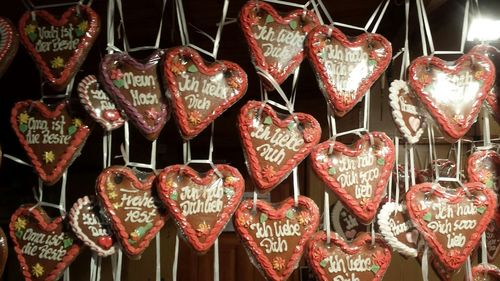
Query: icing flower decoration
194, 118
278, 263
319, 254
304, 218
37, 270
203, 229
112, 195
378, 258
30, 28
117, 206
77, 122
57, 62
83, 26
245, 220
20, 224
116, 74
169, 183
308, 134
23, 118
268, 172
229, 181
233, 82
479, 75
153, 115
110, 186
425, 79
178, 67
460, 119
48, 156
254, 17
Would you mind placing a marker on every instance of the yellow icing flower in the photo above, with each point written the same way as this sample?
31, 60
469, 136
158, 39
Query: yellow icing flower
112, 195
48, 156
30, 28
117, 206
278, 263
57, 62
110, 186
203, 229
23, 118
83, 26
37, 270
77, 122
20, 224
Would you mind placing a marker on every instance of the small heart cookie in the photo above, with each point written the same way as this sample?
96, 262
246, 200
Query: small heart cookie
9, 43
484, 166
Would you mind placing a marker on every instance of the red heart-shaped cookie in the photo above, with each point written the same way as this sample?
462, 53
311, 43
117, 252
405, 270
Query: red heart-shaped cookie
4, 251
199, 92
275, 234
59, 46
485, 272
452, 93
276, 43
9, 42
358, 260
135, 213
136, 90
98, 104
273, 146
357, 176
44, 247
201, 206
484, 166
346, 68
52, 138
451, 220
493, 238
89, 226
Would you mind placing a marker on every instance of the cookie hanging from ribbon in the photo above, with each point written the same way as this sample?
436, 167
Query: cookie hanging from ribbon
45, 247
452, 93
52, 138
358, 175
485, 272
136, 215
201, 205
340, 260
345, 223
451, 220
275, 235
346, 68
4, 251
135, 87
446, 168
9, 43
493, 238
98, 104
276, 43
274, 145
200, 91
59, 45
484, 166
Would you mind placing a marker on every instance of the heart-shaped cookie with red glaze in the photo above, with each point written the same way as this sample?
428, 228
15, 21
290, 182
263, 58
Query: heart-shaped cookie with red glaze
128, 199
345, 223
89, 226
45, 247
452, 93
451, 220
397, 229
346, 68
275, 235
9, 43
358, 260
358, 176
52, 138
98, 104
59, 46
4, 251
201, 205
200, 92
484, 166
493, 238
276, 43
485, 272
135, 87
273, 146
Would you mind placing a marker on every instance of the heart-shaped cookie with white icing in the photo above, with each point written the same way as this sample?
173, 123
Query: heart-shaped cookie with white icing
346, 68
59, 45
89, 226
9, 43
52, 138
452, 93
451, 220
136, 215
276, 43
200, 91
135, 87
275, 235
201, 205
485, 272
484, 166
98, 104
273, 146
45, 247
358, 175
339, 260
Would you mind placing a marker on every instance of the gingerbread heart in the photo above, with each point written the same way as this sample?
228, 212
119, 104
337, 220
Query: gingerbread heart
451, 220
128, 200
493, 238
405, 112
397, 229
346, 68
98, 104
59, 46
445, 167
273, 146
201, 206
136, 89
4, 251
484, 166
358, 176
276, 43
201, 92
275, 235
452, 93
51, 138
45, 247
9, 43
492, 98
90, 227
359, 260
345, 223
485, 272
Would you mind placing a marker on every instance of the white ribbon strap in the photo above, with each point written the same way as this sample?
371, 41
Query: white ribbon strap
425, 262
326, 217
296, 190
158, 257
176, 258
216, 260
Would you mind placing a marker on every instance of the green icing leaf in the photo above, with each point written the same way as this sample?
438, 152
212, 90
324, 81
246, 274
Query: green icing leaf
23, 127
372, 62
79, 32
332, 171
263, 218
229, 192
481, 209
71, 130
192, 68
119, 83
268, 120
290, 126
32, 36
489, 183
323, 263
375, 268
323, 55
381, 161
293, 25
427, 217
289, 214
173, 196
19, 233
68, 242
269, 19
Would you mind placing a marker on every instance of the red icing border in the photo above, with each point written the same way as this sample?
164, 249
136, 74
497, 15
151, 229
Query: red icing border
11, 44
489, 269
472, 172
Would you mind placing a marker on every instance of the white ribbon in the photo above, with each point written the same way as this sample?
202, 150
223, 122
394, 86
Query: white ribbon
425, 262
296, 190
158, 257
176, 258
125, 151
17, 160
326, 217
216, 260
